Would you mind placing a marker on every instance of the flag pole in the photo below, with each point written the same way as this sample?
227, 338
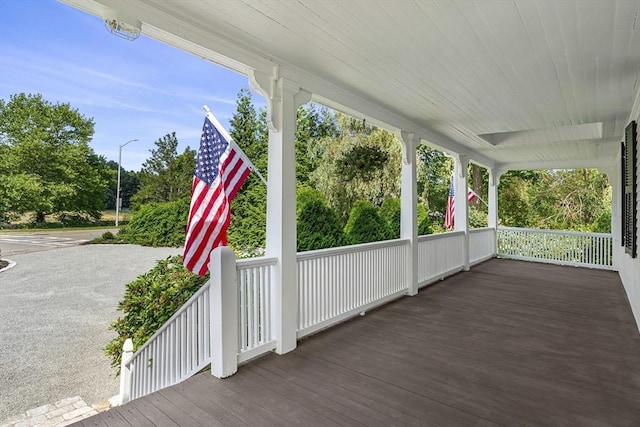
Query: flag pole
226, 135
480, 198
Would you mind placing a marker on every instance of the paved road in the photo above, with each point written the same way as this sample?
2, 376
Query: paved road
55, 309
19, 242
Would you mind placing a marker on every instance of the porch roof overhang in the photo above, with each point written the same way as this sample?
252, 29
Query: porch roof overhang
527, 84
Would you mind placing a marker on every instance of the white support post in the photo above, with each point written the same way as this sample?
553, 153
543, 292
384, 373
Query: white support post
125, 372
408, 208
494, 182
615, 180
461, 220
223, 294
283, 99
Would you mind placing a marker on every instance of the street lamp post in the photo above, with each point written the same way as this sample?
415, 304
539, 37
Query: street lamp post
118, 202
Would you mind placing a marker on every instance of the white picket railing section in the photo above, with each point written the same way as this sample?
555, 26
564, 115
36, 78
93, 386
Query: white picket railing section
337, 283
439, 256
558, 247
482, 244
254, 298
179, 349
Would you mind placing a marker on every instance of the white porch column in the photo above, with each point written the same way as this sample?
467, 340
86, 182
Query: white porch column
614, 176
461, 218
283, 98
408, 208
494, 182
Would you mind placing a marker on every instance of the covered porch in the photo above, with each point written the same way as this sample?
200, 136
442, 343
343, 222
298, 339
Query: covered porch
506, 85
508, 343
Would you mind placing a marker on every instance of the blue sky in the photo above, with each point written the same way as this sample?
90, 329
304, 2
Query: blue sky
134, 90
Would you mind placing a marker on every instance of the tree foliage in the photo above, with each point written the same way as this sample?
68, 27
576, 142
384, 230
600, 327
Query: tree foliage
166, 176
46, 164
362, 163
247, 230
129, 184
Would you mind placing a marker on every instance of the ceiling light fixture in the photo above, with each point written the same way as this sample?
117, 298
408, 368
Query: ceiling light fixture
122, 26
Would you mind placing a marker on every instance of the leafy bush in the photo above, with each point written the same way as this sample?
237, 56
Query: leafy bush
158, 224
391, 211
477, 218
318, 225
424, 226
149, 301
365, 225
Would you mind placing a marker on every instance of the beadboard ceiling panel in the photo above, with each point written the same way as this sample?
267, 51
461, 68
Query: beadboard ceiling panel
523, 83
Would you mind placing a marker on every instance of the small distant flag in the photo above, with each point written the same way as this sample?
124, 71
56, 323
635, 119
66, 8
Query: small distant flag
221, 170
451, 205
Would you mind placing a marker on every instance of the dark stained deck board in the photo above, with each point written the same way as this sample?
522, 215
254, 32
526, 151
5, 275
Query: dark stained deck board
508, 343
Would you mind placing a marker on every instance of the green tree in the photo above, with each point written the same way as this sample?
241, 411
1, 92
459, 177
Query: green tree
247, 230
129, 184
362, 163
313, 123
46, 164
577, 199
166, 176
434, 178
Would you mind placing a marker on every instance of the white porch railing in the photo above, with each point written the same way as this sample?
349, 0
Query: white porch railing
482, 244
254, 299
439, 256
182, 347
558, 247
179, 349
337, 283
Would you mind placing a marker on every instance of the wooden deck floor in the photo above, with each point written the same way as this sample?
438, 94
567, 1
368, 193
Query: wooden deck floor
509, 343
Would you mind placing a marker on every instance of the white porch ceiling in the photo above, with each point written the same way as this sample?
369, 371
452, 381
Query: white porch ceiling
513, 84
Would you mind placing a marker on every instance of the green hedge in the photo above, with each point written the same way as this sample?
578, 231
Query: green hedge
158, 224
318, 226
365, 225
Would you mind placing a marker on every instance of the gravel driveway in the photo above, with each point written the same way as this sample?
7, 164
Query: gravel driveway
55, 309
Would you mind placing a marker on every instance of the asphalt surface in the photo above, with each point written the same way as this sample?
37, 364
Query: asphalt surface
20, 242
55, 309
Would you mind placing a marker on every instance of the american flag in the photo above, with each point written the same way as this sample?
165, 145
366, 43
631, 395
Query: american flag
451, 205
220, 172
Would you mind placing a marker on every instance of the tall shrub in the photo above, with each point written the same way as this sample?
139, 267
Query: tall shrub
365, 225
391, 211
318, 226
